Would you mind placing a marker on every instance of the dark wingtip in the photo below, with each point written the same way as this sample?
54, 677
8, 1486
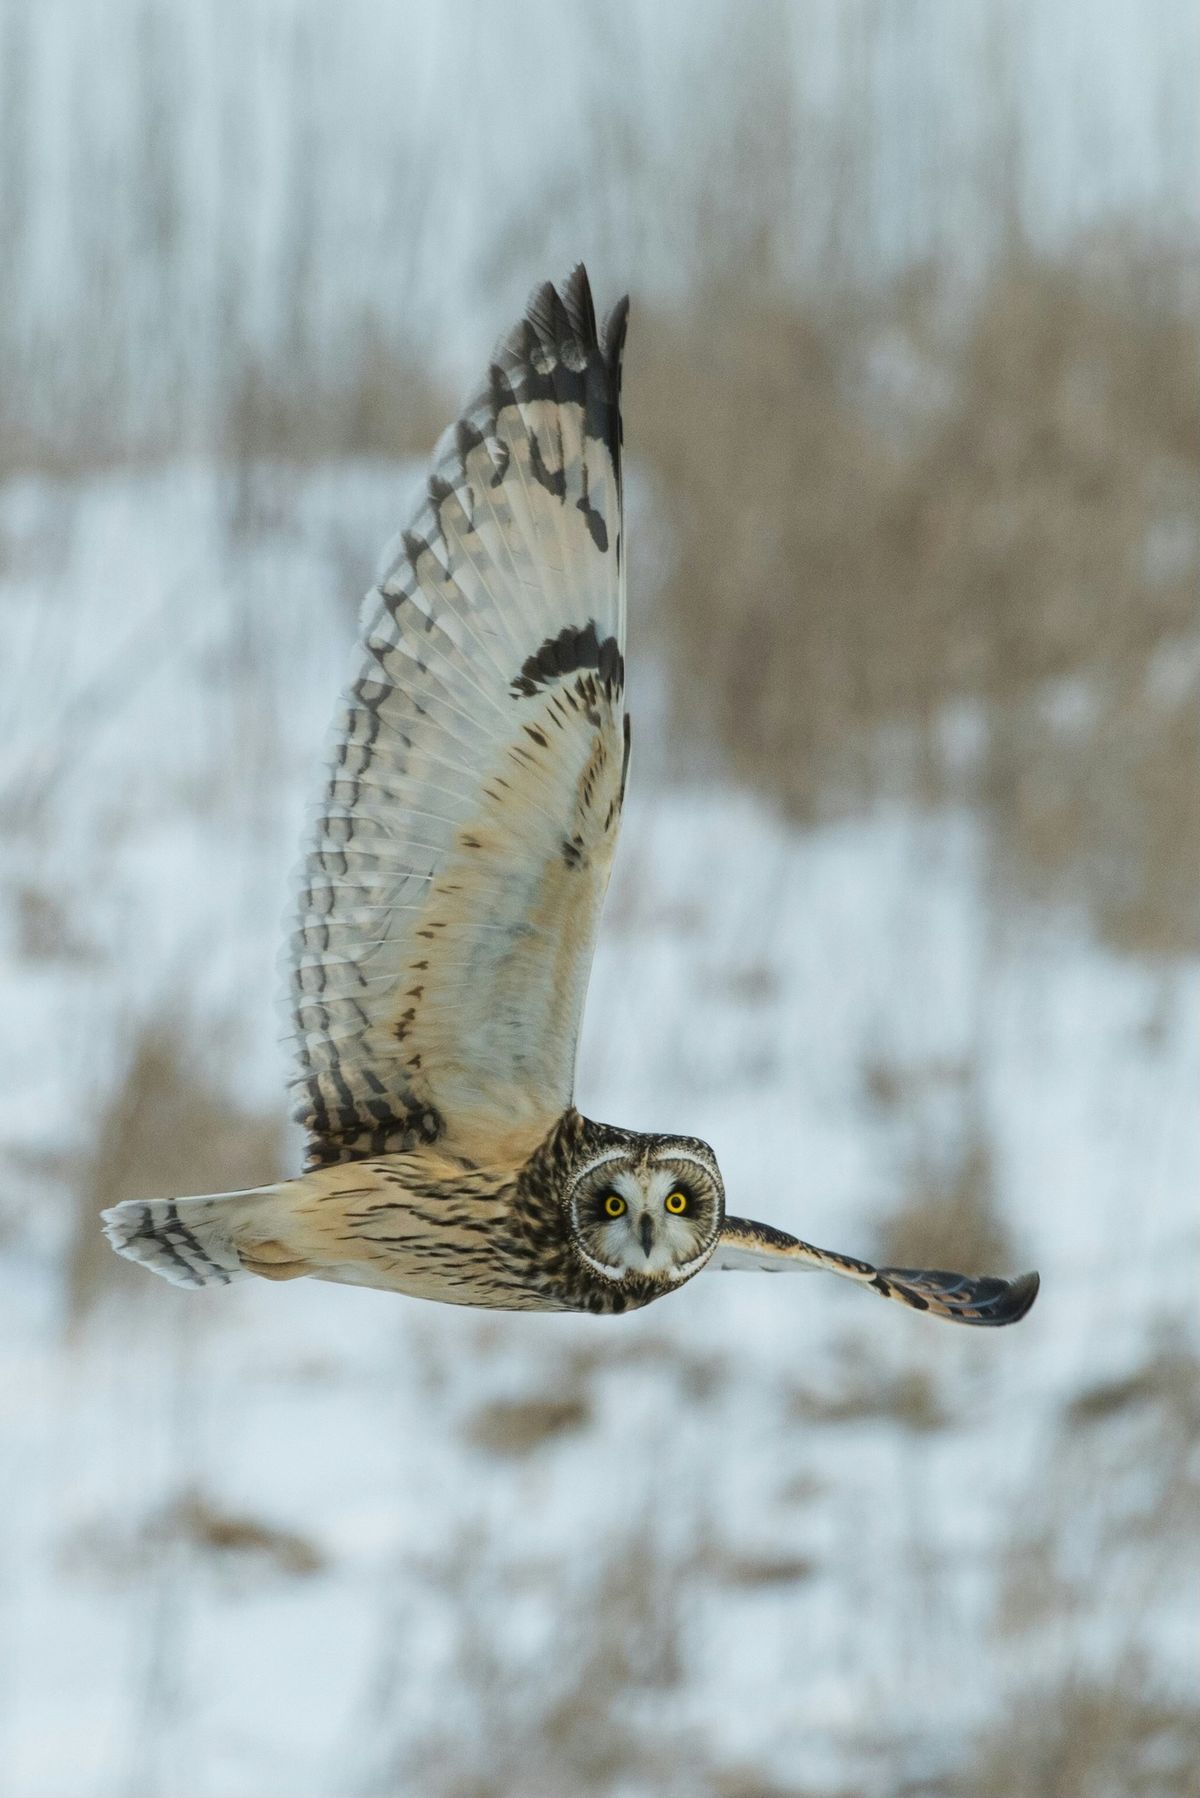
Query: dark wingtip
558, 314
984, 1301
549, 318
1020, 1296
612, 342
563, 315
556, 317
577, 298
991, 1301
555, 351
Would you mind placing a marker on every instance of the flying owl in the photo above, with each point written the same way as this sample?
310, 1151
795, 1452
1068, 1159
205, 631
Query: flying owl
448, 907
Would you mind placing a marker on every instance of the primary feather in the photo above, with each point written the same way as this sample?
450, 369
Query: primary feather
452, 886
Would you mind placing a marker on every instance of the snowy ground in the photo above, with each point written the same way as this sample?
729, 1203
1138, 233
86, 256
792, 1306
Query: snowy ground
771, 1536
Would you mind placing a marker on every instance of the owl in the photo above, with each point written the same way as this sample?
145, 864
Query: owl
448, 906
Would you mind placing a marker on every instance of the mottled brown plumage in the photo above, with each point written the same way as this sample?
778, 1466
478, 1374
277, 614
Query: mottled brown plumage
449, 901
466, 1235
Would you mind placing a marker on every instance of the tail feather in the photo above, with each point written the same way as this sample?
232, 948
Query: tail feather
188, 1241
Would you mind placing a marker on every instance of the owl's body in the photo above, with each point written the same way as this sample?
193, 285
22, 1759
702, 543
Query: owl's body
496, 1238
449, 902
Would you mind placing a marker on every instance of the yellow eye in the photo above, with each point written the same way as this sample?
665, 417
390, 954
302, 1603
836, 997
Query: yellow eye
614, 1204
677, 1202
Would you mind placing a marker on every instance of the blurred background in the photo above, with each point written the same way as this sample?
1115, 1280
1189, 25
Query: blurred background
906, 926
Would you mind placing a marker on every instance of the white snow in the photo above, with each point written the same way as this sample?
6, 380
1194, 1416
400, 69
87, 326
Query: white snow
732, 1573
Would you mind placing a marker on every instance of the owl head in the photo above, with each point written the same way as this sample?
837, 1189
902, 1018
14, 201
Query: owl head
649, 1210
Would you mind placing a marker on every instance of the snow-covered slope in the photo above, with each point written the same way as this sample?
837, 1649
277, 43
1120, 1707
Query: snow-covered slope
326, 1542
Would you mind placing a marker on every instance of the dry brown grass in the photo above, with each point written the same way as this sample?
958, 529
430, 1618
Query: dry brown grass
1169, 1383
866, 1393
949, 1215
44, 929
382, 402
746, 1782
1101, 1541
227, 1540
376, 398
593, 1715
516, 1427
1116, 1740
1004, 516
166, 1130
761, 1569
236, 1537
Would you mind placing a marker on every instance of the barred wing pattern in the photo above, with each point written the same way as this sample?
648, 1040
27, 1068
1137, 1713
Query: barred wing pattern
983, 1300
451, 891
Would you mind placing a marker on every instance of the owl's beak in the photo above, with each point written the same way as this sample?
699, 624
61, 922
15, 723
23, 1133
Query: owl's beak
646, 1232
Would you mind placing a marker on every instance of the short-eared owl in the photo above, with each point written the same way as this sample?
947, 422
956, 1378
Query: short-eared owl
449, 902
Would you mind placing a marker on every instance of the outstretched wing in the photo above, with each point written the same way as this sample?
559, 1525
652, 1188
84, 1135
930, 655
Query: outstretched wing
960, 1297
452, 886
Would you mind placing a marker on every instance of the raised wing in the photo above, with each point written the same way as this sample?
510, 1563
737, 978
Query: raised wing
986, 1300
452, 886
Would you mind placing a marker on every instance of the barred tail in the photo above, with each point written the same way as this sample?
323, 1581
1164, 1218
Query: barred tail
188, 1241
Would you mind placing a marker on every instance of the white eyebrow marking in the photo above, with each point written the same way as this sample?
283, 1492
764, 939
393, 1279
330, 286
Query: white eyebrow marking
589, 1167
684, 1155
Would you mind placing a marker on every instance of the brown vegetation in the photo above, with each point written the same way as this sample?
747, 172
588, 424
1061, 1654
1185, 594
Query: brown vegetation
572, 1719
515, 1427
948, 1215
1085, 1740
879, 518
166, 1130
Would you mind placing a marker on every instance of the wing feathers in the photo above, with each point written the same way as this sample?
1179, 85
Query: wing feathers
981, 1300
459, 857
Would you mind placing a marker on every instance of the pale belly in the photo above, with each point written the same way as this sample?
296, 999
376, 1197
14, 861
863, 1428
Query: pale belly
423, 1284
390, 1226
